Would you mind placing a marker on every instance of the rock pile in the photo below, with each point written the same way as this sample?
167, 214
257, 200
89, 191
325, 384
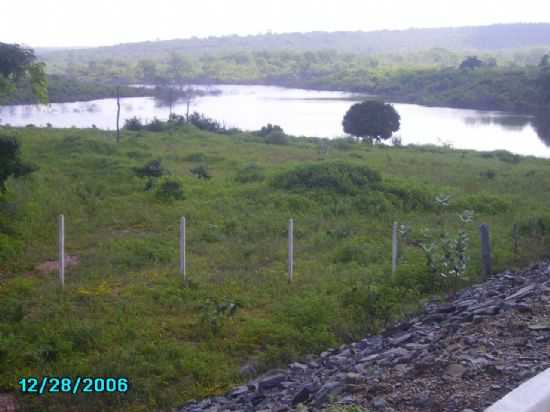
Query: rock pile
459, 356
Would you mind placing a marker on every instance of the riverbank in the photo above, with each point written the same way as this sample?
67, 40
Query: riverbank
125, 311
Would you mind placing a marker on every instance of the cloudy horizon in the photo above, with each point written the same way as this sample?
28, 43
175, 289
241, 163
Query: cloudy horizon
67, 23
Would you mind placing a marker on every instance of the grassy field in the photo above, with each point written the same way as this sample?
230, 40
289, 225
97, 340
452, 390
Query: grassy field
125, 310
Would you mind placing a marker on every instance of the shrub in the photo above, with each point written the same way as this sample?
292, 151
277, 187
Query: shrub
408, 197
250, 173
205, 123
156, 125
200, 172
339, 177
276, 138
170, 188
197, 157
484, 203
269, 129
150, 169
343, 144
133, 124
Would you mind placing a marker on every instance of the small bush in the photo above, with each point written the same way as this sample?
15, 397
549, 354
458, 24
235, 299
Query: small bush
343, 144
197, 157
170, 188
269, 129
200, 172
277, 138
339, 177
205, 123
250, 173
156, 126
150, 169
483, 203
503, 156
133, 124
408, 197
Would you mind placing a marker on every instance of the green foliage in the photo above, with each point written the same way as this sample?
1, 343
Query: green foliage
18, 63
200, 172
471, 63
133, 124
150, 169
273, 134
371, 120
125, 309
339, 177
11, 164
249, 173
155, 125
372, 307
170, 188
484, 203
214, 314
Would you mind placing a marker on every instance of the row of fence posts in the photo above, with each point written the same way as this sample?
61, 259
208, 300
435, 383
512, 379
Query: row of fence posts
485, 244
486, 260
182, 249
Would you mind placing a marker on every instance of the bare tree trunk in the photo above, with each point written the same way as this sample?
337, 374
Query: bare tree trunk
171, 97
118, 115
187, 114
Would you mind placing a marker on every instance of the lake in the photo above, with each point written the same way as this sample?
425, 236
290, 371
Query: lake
301, 113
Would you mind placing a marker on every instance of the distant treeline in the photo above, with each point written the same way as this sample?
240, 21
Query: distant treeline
63, 88
500, 37
434, 77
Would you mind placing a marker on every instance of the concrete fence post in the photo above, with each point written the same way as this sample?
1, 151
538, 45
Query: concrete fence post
290, 250
183, 263
61, 239
485, 239
394, 248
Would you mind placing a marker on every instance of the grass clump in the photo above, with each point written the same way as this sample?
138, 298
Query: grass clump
339, 177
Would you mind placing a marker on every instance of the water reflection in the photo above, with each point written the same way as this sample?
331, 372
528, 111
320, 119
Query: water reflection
305, 113
507, 121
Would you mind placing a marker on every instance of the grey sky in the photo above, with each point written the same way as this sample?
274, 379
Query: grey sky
41, 23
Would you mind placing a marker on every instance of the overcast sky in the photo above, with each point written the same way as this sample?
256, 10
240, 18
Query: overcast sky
40, 23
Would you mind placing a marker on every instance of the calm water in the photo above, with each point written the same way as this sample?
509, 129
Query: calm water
301, 112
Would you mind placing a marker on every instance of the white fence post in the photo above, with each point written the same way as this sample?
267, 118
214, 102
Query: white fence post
183, 263
394, 248
61, 238
290, 249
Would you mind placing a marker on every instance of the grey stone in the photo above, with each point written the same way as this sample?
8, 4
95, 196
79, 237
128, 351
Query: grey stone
271, 381
523, 292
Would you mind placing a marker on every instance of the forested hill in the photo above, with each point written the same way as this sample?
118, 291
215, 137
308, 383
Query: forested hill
483, 38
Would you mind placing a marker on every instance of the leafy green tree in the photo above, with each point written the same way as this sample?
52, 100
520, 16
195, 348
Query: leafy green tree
372, 120
18, 63
10, 161
471, 63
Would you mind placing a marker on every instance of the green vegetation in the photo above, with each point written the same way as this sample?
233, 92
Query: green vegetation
432, 77
17, 63
372, 120
62, 89
494, 38
125, 310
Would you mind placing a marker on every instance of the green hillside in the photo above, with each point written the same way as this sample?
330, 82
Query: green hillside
482, 38
125, 310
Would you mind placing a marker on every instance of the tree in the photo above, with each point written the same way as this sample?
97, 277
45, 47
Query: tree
10, 162
372, 120
545, 61
18, 63
471, 63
